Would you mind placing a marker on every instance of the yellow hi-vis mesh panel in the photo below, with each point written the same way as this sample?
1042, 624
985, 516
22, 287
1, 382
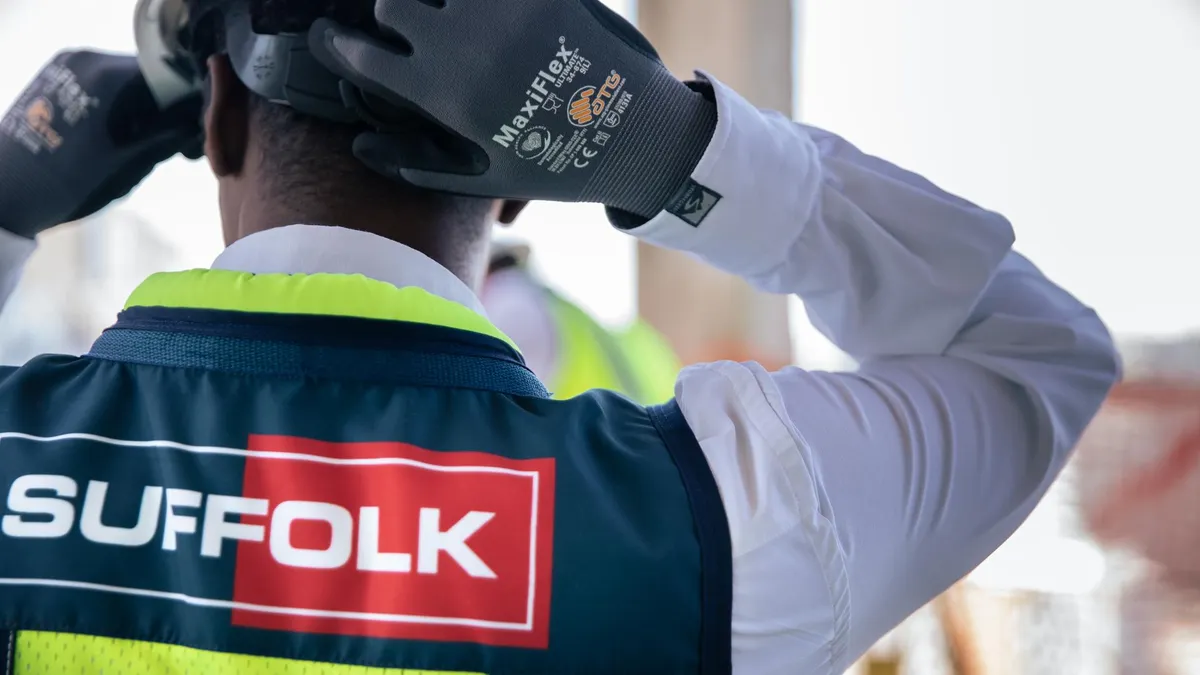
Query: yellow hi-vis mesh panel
351, 295
41, 653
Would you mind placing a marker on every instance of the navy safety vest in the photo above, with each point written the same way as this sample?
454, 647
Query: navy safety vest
235, 480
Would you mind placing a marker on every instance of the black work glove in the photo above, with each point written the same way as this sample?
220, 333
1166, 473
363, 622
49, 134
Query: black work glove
560, 100
83, 134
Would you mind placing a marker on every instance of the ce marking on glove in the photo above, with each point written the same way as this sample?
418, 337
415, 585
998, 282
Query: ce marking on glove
588, 154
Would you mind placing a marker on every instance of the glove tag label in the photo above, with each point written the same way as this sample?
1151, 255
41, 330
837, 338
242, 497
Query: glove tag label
693, 203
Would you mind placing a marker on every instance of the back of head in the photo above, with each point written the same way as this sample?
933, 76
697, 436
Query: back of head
305, 166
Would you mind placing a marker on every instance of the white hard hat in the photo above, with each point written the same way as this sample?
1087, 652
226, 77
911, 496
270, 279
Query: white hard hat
156, 28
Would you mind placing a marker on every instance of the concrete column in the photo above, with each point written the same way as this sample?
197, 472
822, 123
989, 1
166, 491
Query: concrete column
747, 44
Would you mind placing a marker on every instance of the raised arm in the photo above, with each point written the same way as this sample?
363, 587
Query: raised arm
852, 498
855, 498
83, 134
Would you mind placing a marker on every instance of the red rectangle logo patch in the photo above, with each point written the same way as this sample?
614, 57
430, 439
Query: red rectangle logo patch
393, 541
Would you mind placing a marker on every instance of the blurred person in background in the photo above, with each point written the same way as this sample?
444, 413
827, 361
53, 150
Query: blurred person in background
321, 451
566, 347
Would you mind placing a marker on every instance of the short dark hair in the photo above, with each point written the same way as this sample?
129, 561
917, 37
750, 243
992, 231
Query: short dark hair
310, 158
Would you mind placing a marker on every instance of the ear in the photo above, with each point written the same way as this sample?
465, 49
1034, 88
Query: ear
227, 120
509, 211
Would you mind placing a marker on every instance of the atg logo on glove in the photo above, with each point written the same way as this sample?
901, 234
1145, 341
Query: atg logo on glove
589, 103
367, 539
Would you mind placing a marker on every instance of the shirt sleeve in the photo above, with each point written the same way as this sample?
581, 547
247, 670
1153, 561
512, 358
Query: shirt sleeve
855, 498
14, 253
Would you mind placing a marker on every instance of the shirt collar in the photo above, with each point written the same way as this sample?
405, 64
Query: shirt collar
309, 249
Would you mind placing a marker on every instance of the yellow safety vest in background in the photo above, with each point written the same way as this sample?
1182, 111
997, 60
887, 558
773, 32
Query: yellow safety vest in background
637, 362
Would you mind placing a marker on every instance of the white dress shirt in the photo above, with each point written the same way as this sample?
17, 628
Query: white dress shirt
852, 498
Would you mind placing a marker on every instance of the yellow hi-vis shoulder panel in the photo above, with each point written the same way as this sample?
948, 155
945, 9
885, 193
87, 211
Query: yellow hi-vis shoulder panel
42, 653
352, 295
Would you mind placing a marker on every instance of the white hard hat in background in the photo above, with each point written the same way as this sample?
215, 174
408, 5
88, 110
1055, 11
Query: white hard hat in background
156, 26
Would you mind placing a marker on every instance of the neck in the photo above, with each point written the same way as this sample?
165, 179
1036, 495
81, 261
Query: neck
460, 247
